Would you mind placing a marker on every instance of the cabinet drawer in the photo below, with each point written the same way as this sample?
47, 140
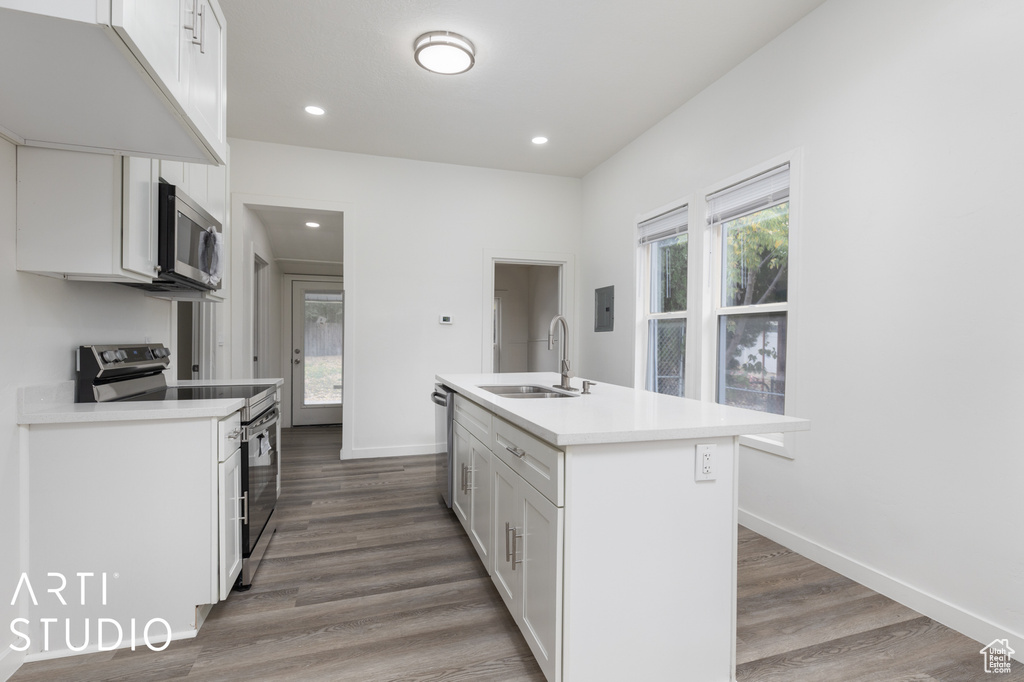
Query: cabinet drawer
539, 463
229, 436
474, 418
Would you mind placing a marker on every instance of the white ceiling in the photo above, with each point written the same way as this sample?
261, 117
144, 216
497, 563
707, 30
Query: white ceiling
591, 75
299, 249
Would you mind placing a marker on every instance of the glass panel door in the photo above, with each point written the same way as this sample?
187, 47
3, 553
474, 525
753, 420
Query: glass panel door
318, 313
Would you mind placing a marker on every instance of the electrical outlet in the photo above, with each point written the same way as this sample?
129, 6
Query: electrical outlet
704, 463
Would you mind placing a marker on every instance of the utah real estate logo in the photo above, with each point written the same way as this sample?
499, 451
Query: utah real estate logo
997, 656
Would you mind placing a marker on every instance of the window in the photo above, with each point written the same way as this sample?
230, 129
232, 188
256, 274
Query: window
750, 229
664, 248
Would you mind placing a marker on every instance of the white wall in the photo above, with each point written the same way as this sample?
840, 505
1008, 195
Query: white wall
249, 239
44, 319
908, 116
415, 236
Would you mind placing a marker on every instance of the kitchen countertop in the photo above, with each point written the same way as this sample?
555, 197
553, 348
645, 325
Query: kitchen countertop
55, 404
614, 414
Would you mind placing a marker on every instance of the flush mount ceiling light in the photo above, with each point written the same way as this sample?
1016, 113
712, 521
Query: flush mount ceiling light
316, 111
540, 139
312, 224
444, 52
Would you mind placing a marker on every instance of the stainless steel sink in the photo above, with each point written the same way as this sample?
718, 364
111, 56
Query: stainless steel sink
526, 391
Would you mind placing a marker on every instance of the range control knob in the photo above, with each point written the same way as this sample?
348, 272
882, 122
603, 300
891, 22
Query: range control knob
161, 352
108, 356
121, 356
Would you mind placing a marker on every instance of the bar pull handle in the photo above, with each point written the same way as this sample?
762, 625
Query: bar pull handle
235, 434
518, 452
508, 546
515, 548
245, 507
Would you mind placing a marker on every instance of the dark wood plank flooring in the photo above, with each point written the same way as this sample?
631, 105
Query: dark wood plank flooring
368, 578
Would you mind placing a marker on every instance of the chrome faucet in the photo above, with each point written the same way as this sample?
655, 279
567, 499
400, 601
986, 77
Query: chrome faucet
566, 374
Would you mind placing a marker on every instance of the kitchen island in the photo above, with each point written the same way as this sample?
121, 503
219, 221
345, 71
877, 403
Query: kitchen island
607, 522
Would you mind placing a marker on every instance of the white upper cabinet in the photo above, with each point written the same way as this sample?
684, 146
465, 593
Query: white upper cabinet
136, 77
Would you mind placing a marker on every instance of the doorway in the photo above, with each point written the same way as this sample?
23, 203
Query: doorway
526, 297
318, 313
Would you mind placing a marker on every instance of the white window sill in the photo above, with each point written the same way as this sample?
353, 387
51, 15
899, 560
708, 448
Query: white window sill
772, 443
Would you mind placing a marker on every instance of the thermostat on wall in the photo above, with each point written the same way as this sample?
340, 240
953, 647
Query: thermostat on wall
444, 319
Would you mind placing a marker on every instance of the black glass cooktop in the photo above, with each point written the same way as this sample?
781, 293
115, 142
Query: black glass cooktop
244, 391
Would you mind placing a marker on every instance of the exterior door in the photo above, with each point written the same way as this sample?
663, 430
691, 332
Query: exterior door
316, 353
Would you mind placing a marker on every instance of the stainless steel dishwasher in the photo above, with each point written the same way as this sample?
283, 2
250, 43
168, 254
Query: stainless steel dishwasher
444, 398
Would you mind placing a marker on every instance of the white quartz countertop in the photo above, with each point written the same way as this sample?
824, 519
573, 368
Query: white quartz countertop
614, 414
55, 404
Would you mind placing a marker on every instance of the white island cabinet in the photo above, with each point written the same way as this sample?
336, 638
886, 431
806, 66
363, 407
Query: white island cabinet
135, 77
614, 560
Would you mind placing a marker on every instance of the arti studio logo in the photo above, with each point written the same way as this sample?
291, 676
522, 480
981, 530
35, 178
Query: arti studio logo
997, 656
105, 634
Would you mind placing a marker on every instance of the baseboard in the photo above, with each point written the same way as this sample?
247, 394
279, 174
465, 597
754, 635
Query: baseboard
389, 451
10, 661
964, 622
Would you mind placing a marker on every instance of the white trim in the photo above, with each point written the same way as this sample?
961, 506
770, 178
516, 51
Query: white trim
567, 292
774, 444
964, 622
351, 269
139, 643
711, 304
642, 287
390, 451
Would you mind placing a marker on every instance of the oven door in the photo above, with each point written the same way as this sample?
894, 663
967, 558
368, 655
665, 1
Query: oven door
259, 476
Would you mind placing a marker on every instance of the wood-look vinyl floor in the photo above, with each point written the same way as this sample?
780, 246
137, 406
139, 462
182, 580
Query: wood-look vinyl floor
368, 578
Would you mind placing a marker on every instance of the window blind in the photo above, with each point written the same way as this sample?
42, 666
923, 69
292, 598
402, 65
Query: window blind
753, 194
665, 225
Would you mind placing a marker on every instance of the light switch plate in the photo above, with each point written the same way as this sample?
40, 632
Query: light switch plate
444, 319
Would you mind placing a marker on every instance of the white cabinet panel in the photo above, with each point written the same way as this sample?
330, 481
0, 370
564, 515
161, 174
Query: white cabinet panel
206, 72
528, 563
71, 208
505, 578
137, 63
139, 248
150, 28
229, 521
471, 498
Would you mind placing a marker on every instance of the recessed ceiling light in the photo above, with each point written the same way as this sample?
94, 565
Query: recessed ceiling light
444, 52
316, 111
311, 224
540, 139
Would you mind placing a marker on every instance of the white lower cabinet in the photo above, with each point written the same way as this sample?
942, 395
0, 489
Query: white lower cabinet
528, 563
230, 521
229, 503
471, 500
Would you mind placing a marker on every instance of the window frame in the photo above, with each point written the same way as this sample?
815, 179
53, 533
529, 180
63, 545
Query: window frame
703, 307
779, 444
644, 303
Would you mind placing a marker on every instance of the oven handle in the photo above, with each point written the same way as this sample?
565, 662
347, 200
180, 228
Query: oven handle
263, 424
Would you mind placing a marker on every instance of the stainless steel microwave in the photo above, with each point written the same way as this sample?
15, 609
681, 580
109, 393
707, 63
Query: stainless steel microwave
190, 249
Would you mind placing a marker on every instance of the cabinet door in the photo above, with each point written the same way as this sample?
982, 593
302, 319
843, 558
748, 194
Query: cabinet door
541, 570
206, 79
173, 173
480, 501
506, 575
196, 178
139, 216
152, 30
230, 521
461, 462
